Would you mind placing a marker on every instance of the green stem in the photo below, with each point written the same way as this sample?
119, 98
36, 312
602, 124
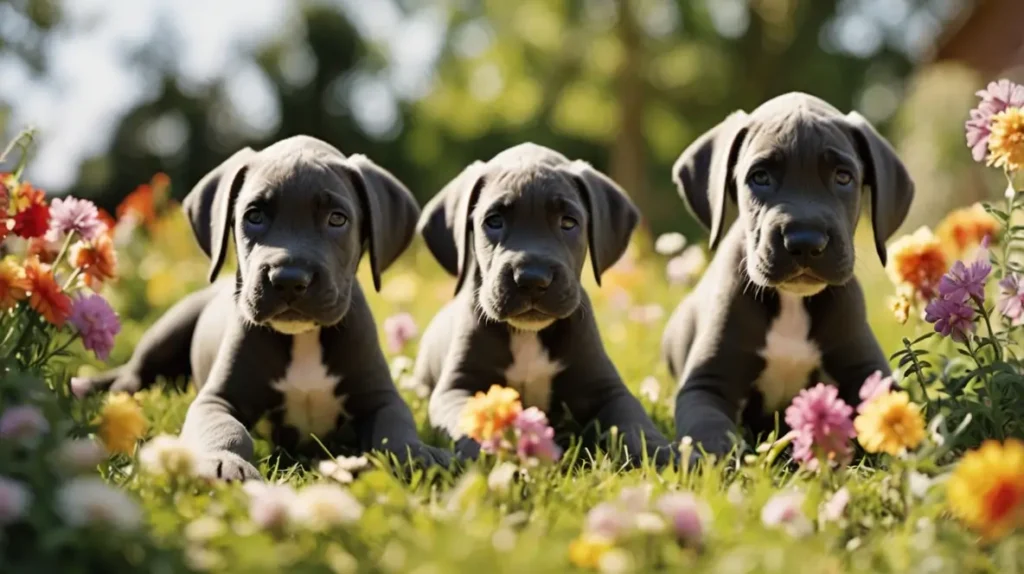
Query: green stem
988, 325
55, 352
64, 248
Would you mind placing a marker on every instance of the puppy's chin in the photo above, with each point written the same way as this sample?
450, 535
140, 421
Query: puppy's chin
292, 327
530, 324
801, 288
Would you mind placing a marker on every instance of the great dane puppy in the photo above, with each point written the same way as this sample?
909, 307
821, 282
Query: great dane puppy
515, 231
290, 337
779, 307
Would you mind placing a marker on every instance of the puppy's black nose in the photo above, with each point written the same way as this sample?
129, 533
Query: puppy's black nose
805, 242
534, 278
290, 282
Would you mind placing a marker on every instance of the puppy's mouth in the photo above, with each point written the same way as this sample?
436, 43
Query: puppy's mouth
531, 320
292, 322
804, 283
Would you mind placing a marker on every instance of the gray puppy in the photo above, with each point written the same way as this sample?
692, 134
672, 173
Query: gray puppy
779, 307
516, 231
291, 337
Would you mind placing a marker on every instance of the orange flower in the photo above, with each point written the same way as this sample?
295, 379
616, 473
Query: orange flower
965, 228
986, 490
144, 201
44, 250
107, 220
14, 285
486, 416
917, 260
26, 196
46, 296
97, 260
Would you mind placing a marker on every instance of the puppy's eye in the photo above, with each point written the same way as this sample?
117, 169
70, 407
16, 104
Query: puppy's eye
255, 216
761, 178
337, 219
494, 222
843, 177
568, 223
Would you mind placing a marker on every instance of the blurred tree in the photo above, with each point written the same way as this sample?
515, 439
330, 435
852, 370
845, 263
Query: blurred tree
24, 25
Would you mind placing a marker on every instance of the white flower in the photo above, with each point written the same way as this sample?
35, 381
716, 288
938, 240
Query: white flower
204, 528
15, 500
400, 365
649, 523
500, 479
834, 509
785, 510
269, 504
321, 506
650, 389
669, 243
615, 561
735, 494
88, 500
636, 498
80, 454
168, 455
343, 468
919, 484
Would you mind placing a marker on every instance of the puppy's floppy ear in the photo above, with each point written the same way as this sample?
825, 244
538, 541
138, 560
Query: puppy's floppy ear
210, 203
612, 216
704, 172
389, 213
446, 223
892, 190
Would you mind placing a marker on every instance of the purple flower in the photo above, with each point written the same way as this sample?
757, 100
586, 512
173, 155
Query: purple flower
1011, 298
399, 330
874, 386
994, 99
536, 439
71, 214
686, 514
821, 421
952, 318
962, 282
96, 323
24, 424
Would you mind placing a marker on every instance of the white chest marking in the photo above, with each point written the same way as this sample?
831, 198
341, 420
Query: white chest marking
531, 370
308, 388
789, 355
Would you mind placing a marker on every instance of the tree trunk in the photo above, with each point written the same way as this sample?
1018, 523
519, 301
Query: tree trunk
628, 165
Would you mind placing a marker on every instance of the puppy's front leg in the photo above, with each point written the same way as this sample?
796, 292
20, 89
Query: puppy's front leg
388, 425
624, 412
854, 361
446, 405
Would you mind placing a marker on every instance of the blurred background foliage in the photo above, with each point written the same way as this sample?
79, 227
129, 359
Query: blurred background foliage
425, 87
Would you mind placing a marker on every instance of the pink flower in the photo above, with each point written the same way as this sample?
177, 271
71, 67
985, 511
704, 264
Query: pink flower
399, 330
97, 323
23, 423
80, 386
608, 520
269, 504
785, 510
821, 421
873, 386
15, 499
686, 514
994, 99
535, 438
1011, 298
833, 510
71, 214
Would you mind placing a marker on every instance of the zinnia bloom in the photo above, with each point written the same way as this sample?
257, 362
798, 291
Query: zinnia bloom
47, 297
1010, 304
1006, 142
963, 282
486, 416
97, 323
73, 215
89, 500
121, 423
917, 260
587, 550
399, 330
952, 318
996, 98
14, 285
986, 490
965, 228
97, 260
535, 438
890, 423
821, 421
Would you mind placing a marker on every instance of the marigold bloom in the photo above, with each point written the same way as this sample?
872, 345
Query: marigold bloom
917, 260
1006, 142
121, 423
965, 228
97, 259
46, 295
14, 285
486, 416
986, 491
587, 550
890, 423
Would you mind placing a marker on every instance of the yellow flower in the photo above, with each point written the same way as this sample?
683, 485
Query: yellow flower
587, 550
986, 490
1006, 142
890, 423
486, 416
14, 285
902, 304
965, 228
121, 423
917, 260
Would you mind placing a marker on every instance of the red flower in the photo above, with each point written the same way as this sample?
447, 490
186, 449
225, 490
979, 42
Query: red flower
33, 221
5, 201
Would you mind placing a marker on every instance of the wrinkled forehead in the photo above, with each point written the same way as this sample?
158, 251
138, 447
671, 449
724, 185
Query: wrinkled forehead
295, 181
799, 137
535, 189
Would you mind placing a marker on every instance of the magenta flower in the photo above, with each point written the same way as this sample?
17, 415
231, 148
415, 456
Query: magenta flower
399, 330
822, 424
96, 323
535, 438
874, 386
24, 424
994, 99
952, 318
686, 514
1011, 298
608, 520
962, 282
70, 214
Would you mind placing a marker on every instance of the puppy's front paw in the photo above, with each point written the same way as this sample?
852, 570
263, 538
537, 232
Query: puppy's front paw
431, 455
115, 381
224, 465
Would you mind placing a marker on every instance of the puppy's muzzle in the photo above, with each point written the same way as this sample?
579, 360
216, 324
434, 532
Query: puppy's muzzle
533, 280
291, 282
805, 245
